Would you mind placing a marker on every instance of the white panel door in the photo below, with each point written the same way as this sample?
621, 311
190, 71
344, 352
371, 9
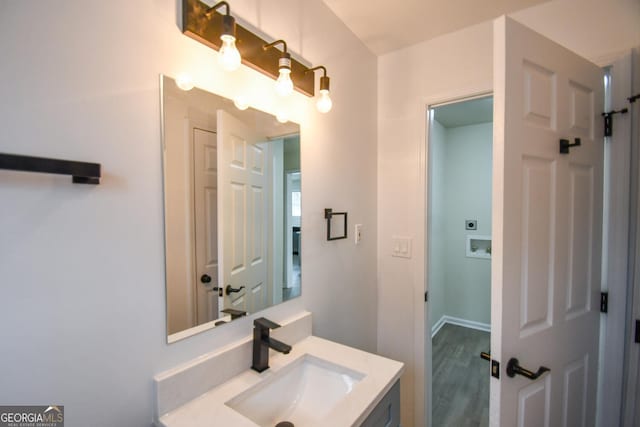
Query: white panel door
244, 195
205, 200
547, 227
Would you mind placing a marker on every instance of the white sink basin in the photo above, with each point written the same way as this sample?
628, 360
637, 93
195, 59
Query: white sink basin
318, 384
302, 393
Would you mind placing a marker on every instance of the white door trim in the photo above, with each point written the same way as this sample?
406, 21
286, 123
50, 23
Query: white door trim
615, 247
631, 406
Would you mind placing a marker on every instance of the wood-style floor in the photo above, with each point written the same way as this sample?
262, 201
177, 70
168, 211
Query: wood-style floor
294, 290
460, 383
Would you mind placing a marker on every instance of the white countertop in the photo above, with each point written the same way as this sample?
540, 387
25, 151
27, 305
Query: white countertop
209, 409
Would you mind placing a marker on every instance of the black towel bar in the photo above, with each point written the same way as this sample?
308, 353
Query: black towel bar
81, 172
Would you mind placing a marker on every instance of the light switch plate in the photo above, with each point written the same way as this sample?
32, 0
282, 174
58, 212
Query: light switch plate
401, 246
358, 234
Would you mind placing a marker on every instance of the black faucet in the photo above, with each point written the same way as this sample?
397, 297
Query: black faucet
262, 342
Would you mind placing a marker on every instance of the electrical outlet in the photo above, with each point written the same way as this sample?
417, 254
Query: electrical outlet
471, 224
358, 233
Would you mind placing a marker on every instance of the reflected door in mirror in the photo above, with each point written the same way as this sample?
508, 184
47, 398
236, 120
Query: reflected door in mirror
244, 186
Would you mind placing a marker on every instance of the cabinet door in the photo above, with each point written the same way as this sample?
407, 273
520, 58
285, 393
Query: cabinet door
387, 412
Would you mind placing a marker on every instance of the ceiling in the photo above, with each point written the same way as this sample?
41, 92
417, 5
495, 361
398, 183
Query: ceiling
465, 113
385, 26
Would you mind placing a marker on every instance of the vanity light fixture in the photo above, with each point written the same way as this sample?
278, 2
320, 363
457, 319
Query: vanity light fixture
229, 57
207, 25
284, 85
324, 102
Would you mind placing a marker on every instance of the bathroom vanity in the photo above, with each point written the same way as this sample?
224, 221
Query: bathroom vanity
319, 383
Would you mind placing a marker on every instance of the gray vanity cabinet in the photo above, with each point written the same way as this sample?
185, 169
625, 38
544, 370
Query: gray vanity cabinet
387, 412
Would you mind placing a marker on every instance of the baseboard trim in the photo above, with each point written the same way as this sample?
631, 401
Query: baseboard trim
437, 326
472, 324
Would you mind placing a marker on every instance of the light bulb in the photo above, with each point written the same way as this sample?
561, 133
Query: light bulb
324, 103
281, 116
184, 81
284, 85
229, 56
241, 102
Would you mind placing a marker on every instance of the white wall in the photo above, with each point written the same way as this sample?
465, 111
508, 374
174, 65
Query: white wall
467, 196
460, 187
82, 267
450, 66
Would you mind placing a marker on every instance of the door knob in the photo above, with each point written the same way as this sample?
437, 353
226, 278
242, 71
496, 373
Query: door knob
513, 368
229, 290
205, 278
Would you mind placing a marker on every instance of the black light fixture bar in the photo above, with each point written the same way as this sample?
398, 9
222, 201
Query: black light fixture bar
81, 172
205, 25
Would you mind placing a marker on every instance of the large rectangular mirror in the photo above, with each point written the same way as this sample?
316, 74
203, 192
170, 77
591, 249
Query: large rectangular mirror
232, 210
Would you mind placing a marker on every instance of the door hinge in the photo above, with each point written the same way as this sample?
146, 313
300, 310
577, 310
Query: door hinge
426, 296
604, 302
638, 331
608, 120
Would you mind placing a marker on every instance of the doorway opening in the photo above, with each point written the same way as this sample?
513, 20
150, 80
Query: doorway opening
459, 261
292, 271
293, 214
